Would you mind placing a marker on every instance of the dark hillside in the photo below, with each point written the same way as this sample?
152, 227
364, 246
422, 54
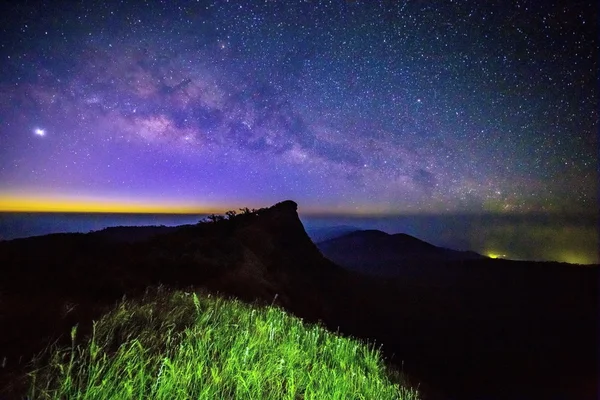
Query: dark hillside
51, 282
510, 328
473, 329
134, 233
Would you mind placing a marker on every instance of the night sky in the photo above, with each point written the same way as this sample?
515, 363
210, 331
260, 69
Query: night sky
343, 106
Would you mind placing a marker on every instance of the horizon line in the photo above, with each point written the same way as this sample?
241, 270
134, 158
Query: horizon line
100, 205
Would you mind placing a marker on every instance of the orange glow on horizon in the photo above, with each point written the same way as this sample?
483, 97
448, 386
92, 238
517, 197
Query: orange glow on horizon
90, 204
29, 201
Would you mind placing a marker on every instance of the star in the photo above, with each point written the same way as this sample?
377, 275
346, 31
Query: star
389, 110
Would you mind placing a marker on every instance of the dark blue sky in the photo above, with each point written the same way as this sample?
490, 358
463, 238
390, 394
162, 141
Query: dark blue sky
343, 106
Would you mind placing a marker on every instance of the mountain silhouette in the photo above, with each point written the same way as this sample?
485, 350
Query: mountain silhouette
465, 328
376, 252
52, 282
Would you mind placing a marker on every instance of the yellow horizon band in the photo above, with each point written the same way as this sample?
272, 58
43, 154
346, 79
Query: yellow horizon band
22, 204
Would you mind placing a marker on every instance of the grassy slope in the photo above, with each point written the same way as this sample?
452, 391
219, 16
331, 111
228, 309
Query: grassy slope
180, 345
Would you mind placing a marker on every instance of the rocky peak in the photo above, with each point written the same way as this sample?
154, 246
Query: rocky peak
277, 237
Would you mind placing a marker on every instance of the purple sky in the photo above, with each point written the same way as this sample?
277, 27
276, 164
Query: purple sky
357, 106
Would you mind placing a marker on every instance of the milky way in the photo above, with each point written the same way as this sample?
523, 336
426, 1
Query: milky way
353, 106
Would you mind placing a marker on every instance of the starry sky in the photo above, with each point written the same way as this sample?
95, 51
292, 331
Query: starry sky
357, 107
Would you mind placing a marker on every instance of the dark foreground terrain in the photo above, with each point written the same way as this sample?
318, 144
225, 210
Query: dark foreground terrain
465, 328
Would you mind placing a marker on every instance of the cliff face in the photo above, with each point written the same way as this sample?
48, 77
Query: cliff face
280, 263
51, 282
278, 237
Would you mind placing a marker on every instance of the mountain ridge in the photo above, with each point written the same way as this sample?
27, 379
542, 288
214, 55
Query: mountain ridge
463, 328
377, 252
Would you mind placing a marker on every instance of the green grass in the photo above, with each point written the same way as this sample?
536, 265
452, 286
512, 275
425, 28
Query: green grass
178, 345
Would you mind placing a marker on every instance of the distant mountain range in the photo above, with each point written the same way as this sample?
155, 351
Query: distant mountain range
463, 326
376, 252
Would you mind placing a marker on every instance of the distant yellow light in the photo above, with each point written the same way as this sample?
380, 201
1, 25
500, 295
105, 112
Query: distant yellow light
496, 255
574, 259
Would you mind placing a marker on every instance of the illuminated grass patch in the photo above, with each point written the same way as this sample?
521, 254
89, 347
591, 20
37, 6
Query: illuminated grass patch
184, 346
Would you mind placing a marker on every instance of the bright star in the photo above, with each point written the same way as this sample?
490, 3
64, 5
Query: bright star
39, 132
